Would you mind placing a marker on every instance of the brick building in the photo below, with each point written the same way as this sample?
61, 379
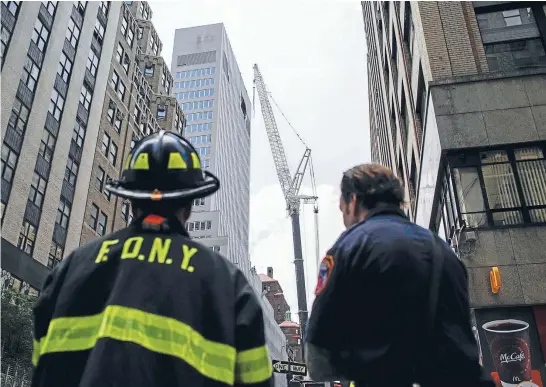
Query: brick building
457, 107
272, 290
78, 78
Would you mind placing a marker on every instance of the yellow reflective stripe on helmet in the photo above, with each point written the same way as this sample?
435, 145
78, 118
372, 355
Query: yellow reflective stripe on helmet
156, 333
141, 162
253, 366
195, 159
176, 161
35, 352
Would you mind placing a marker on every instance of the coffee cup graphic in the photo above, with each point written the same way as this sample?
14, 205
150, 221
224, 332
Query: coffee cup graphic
510, 349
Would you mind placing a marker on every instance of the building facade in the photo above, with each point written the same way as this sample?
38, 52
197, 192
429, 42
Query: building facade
457, 96
209, 87
75, 82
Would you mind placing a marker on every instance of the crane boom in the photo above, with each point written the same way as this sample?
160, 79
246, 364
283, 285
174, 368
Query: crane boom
290, 187
275, 142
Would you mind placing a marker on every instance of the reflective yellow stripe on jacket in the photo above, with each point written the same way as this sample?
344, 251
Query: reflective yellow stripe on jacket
155, 333
253, 366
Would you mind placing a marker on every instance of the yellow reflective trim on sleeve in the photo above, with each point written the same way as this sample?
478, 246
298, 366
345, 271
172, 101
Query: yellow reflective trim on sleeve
35, 352
153, 332
195, 159
176, 161
253, 366
141, 162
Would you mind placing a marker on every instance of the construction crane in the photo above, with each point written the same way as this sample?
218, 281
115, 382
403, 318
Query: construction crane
290, 187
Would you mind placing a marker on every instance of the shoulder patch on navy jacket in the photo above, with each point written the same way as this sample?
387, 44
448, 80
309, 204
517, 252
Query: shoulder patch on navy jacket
325, 271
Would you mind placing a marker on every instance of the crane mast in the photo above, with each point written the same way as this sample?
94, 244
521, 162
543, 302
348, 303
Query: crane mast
290, 187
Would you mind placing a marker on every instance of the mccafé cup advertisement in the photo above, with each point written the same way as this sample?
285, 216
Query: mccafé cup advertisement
510, 346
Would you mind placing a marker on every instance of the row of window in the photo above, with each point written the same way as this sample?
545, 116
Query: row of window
117, 84
199, 116
203, 151
199, 225
101, 178
109, 149
493, 188
195, 94
199, 202
114, 116
203, 139
208, 103
199, 127
196, 73
13, 8
98, 220
127, 31
194, 83
512, 38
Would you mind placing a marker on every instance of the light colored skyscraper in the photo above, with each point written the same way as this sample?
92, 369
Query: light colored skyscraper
210, 89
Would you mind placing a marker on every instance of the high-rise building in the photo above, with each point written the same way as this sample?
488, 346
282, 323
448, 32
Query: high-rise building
209, 87
80, 82
457, 95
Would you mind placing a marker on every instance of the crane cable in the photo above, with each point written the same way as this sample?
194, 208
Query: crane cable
278, 107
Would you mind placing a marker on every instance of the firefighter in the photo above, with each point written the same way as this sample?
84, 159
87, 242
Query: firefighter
147, 305
380, 272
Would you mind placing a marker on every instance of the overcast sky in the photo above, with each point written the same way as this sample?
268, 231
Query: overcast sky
312, 55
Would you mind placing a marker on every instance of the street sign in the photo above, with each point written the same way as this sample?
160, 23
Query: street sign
285, 367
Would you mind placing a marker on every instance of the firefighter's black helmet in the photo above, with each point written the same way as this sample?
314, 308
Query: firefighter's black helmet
163, 166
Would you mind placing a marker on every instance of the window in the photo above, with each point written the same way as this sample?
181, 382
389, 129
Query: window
163, 77
105, 144
111, 112
501, 187
80, 7
47, 146
9, 162
199, 202
106, 193
65, 67
37, 190
126, 63
63, 213
205, 163
121, 90
27, 237
117, 85
112, 156
12, 6
119, 53
56, 104
99, 179
117, 122
19, 117
130, 36
511, 38
85, 97
94, 215
124, 24
2, 210
78, 135
161, 112
98, 33
149, 70
71, 171
73, 33
125, 211
40, 35
104, 7
55, 255
103, 219
92, 62
31, 72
